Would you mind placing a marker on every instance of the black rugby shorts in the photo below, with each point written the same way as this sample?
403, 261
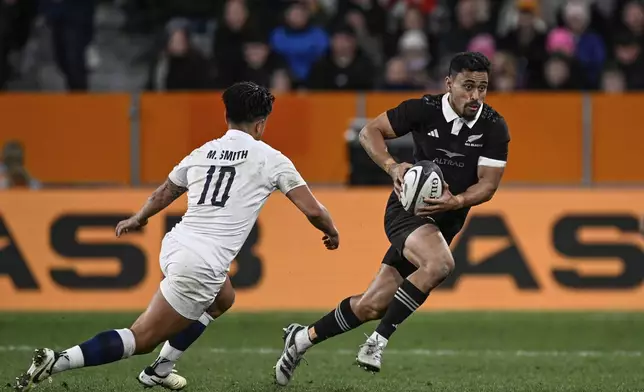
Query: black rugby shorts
399, 224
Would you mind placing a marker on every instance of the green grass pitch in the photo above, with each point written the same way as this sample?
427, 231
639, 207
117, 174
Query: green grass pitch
478, 351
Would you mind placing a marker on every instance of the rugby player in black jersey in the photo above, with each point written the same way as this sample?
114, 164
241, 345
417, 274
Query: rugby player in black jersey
469, 141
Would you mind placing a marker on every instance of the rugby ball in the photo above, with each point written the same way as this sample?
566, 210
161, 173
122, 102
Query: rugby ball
423, 180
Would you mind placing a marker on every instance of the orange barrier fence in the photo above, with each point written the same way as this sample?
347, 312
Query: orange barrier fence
72, 138
524, 250
309, 129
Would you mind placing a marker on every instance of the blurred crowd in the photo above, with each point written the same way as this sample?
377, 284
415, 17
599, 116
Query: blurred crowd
553, 45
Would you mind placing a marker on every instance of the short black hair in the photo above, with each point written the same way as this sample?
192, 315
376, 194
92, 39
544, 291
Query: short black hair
469, 62
247, 102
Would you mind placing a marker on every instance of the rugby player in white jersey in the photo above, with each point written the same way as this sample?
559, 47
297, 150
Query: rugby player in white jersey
227, 180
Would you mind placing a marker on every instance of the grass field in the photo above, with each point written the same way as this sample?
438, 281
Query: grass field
431, 352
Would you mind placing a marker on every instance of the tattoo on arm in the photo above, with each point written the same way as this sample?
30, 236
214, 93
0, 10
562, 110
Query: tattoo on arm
174, 190
162, 197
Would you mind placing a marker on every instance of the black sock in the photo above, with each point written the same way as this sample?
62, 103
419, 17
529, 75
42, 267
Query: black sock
407, 299
336, 322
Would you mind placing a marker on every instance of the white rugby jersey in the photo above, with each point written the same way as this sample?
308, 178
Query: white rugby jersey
228, 179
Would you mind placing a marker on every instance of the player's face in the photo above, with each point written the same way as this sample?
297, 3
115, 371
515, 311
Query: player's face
467, 92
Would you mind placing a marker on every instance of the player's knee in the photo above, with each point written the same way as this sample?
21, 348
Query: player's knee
435, 266
226, 302
438, 267
446, 266
223, 302
369, 308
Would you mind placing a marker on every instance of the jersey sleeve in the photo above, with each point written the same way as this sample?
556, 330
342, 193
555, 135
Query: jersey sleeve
283, 175
179, 175
495, 152
406, 117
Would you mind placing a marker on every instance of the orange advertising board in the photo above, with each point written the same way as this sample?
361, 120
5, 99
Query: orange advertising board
70, 138
547, 134
307, 128
526, 249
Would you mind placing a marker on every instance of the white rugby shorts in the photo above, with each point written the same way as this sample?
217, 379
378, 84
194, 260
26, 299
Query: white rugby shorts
190, 284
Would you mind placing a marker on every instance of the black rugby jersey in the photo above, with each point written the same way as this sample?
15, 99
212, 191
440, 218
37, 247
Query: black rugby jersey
457, 146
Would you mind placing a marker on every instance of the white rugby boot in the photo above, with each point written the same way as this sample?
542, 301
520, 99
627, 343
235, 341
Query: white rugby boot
290, 358
173, 381
41, 365
369, 355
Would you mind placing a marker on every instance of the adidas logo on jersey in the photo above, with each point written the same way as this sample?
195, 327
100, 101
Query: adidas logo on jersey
433, 133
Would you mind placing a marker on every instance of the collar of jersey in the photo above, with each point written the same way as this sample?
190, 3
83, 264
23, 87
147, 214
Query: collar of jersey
450, 115
237, 132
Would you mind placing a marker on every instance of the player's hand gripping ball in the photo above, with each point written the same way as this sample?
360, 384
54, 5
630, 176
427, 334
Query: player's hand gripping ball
423, 180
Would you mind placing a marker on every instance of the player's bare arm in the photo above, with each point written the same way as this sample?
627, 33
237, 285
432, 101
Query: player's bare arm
162, 197
316, 213
489, 179
372, 139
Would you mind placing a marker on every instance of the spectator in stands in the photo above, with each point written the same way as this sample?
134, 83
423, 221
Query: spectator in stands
425, 6
557, 74
628, 54
504, 72
526, 40
414, 50
369, 43
6, 11
180, 66
467, 26
373, 12
413, 19
281, 81
590, 49
16, 17
300, 42
260, 62
317, 13
13, 173
483, 43
397, 77
345, 67
232, 32
633, 19
72, 27
613, 80
560, 44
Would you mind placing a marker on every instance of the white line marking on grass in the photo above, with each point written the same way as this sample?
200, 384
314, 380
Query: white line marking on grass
407, 352
445, 353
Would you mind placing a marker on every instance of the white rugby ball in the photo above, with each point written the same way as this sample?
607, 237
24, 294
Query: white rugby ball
423, 180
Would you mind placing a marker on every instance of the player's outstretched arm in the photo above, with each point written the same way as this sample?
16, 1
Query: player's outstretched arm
372, 139
162, 197
316, 213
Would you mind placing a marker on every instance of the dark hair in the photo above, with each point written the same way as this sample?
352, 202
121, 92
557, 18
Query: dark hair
469, 61
247, 102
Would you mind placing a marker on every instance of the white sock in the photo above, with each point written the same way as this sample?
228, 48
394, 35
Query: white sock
302, 340
72, 358
376, 337
165, 362
129, 343
169, 355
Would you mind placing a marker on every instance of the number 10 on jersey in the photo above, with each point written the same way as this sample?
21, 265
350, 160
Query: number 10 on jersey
226, 174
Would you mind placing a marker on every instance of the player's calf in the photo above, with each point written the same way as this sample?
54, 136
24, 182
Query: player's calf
156, 324
428, 250
161, 371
